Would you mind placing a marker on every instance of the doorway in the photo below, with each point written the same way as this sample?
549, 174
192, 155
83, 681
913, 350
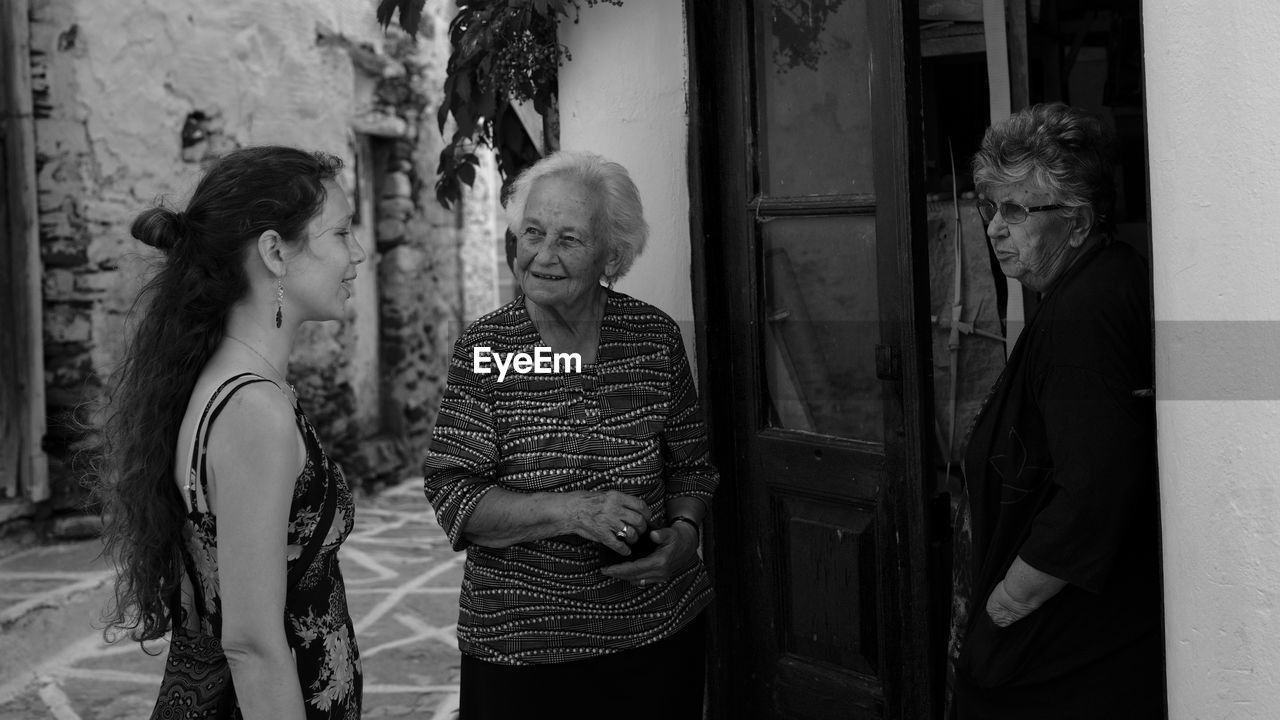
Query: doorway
816, 358
822, 131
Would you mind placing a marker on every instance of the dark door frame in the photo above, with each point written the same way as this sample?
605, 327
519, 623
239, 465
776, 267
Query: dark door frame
907, 339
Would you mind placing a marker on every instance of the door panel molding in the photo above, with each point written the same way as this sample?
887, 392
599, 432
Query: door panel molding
918, 693
766, 205
809, 690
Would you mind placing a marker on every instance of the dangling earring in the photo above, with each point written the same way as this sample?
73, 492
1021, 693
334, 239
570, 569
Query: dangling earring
279, 302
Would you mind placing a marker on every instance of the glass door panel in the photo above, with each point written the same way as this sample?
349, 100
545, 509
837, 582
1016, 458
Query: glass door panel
821, 325
813, 80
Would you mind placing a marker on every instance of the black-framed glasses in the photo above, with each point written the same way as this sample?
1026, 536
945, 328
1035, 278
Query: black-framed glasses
1012, 212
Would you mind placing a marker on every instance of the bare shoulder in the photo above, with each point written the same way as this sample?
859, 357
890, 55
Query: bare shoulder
257, 425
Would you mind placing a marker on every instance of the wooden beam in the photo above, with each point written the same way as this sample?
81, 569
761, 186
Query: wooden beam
1019, 54
1019, 19
533, 125
999, 87
993, 27
21, 247
17, 510
952, 39
958, 10
1006, 25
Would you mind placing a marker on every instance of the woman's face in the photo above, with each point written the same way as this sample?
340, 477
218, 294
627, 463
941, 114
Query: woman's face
558, 261
320, 278
1035, 251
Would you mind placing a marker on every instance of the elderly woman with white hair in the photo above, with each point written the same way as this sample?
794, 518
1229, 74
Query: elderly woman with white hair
570, 460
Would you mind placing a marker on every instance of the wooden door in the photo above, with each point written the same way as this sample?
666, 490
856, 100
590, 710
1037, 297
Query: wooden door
807, 147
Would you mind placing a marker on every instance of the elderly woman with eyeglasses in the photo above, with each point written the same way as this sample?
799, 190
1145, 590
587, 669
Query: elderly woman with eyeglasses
576, 478
1056, 612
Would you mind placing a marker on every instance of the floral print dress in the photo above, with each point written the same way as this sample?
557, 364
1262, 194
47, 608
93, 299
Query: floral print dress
317, 622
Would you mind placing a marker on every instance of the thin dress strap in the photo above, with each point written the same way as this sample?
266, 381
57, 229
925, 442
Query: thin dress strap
199, 449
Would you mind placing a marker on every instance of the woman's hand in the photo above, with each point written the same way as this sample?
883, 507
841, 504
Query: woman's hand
1023, 590
677, 547
611, 518
1005, 610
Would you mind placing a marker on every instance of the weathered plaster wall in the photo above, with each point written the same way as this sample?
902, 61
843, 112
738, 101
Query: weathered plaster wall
481, 265
624, 96
114, 82
1211, 109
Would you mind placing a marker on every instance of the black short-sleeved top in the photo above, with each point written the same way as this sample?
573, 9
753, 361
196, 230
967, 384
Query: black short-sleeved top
629, 422
1060, 469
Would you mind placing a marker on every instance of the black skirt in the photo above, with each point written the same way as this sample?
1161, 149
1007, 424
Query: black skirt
1126, 685
662, 680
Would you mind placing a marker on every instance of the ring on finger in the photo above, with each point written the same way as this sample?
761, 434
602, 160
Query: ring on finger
623, 533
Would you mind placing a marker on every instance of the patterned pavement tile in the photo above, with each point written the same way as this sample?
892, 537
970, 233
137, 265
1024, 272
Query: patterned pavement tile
402, 587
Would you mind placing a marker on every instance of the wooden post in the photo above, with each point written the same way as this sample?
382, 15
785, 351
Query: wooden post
1019, 54
993, 26
1019, 18
24, 473
1006, 26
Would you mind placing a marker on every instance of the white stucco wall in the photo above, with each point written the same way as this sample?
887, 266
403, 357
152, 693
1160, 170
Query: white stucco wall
1212, 104
624, 95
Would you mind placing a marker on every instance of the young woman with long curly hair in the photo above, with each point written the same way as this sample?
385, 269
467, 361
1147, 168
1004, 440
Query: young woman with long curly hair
213, 484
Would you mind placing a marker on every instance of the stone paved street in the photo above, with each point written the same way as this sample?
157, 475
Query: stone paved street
402, 585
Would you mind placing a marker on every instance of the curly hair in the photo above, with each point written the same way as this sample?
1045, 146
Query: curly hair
1066, 150
618, 218
179, 319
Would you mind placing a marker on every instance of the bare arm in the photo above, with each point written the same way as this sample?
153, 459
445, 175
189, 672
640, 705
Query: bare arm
1023, 590
254, 459
503, 518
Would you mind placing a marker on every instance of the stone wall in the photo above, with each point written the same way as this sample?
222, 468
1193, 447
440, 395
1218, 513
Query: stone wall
132, 96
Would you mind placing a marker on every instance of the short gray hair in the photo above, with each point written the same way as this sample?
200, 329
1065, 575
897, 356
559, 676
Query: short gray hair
1066, 150
618, 217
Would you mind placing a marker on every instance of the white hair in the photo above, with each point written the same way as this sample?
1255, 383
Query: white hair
617, 218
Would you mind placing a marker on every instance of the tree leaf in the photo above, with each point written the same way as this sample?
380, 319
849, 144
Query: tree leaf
385, 9
464, 116
500, 49
411, 15
467, 174
442, 115
447, 191
485, 105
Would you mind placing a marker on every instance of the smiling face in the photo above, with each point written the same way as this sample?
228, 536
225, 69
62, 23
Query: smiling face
1037, 250
558, 261
320, 278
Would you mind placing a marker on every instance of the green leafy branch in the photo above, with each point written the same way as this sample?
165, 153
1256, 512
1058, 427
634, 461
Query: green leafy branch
502, 52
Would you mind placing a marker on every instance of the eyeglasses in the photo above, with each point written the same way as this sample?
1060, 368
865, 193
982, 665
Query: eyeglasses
1012, 212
